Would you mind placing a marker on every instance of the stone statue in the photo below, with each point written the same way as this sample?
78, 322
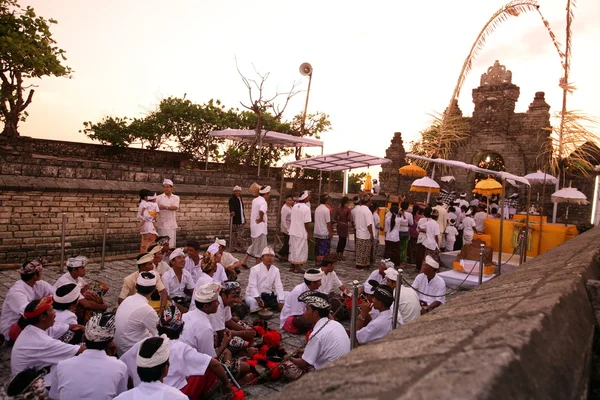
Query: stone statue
496, 75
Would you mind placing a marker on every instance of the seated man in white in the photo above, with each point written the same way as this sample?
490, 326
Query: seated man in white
152, 367
34, 348
432, 288
264, 278
136, 319
410, 306
75, 273
232, 265
178, 281
328, 340
65, 327
378, 275
369, 329
195, 374
330, 281
220, 274
94, 374
30, 287
292, 314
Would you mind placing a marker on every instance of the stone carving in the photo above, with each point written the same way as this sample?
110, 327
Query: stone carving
496, 75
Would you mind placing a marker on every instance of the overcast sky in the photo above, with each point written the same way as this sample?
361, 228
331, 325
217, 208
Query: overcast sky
379, 67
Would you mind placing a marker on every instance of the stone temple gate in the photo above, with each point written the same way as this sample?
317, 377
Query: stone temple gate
496, 132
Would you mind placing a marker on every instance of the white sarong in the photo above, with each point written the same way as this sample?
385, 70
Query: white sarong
298, 250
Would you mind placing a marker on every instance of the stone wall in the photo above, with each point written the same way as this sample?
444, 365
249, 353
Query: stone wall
524, 335
42, 179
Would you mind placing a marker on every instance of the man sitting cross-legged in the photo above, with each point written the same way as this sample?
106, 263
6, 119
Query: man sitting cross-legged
292, 314
370, 329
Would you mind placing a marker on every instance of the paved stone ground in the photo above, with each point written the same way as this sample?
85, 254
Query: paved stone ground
115, 271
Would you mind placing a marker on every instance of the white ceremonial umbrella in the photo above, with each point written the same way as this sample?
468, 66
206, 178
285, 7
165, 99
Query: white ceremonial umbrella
540, 177
569, 196
425, 185
447, 178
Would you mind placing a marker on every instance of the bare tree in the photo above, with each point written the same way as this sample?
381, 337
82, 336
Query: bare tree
262, 105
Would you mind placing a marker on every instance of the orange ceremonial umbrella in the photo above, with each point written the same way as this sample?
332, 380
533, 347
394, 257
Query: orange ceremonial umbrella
412, 170
487, 187
368, 183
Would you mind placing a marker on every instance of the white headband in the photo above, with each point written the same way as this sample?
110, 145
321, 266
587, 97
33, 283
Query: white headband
304, 195
146, 258
69, 297
313, 277
159, 357
213, 248
431, 262
237, 188
207, 292
265, 190
268, 250
168, 182
220, 242
391, 274
176, 253
77, 262
387, 263
146, 282
153, 197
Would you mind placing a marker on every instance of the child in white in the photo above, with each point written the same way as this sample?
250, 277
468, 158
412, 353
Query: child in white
147, 212
468, 225
450, 234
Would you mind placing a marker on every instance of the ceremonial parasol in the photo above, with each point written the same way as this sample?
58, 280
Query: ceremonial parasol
425, 185
368, 183
487, 187
569, 196
412, 170
447, 178
540, 177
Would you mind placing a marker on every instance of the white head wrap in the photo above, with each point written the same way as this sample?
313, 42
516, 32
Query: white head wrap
146, 281
463, 195
156, 249
207, 292
176, 253
213, 249
159, 357
153, 197
97, 330
146, 258
168, 182
265, 189
303, 196
77, 262
69, 297
220, 242
387, 262
431, 262
391, 274
316, 275
469, 212
237, 188
268, 250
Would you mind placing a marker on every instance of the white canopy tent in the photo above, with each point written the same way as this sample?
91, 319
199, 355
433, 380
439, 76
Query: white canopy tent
505, 176
275, 139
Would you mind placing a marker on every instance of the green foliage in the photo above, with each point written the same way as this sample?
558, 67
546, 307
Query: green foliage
111, 130
27, 51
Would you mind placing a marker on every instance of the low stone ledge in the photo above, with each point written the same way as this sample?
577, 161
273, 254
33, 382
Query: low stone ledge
524, 335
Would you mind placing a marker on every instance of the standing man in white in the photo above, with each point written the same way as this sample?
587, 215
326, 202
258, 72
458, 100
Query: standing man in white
300, 219
168, 203
258, 222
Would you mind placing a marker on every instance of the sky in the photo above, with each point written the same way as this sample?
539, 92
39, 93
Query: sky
379, 67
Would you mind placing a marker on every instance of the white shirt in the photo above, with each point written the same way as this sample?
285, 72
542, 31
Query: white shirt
433, 230
376, 224
479, 218
135, 320
17, 298
463, 202
468, 224
422, 225
194, 269
329, 282
432, 289
167, 218
299, 216
35, 349
263, 280
66, 279
401, 225
451, 233
218, 319
377, 328
198, 332
375, 275
220, 274
91, 375
152, 391
62, 322
203, 279
376, 188
228, 259
363, 221
258, 204
442, 220
176, 288
184, 361
162, 267
322, 218
286, 218
327, 344
409, 307
292, 306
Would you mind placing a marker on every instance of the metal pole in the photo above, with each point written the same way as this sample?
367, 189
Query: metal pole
230, 231
502, 203
354, 314
280, 205
397, 299
432, 176
320, 181
481, 249
62, 242
526, 233
104, 240
345, 184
